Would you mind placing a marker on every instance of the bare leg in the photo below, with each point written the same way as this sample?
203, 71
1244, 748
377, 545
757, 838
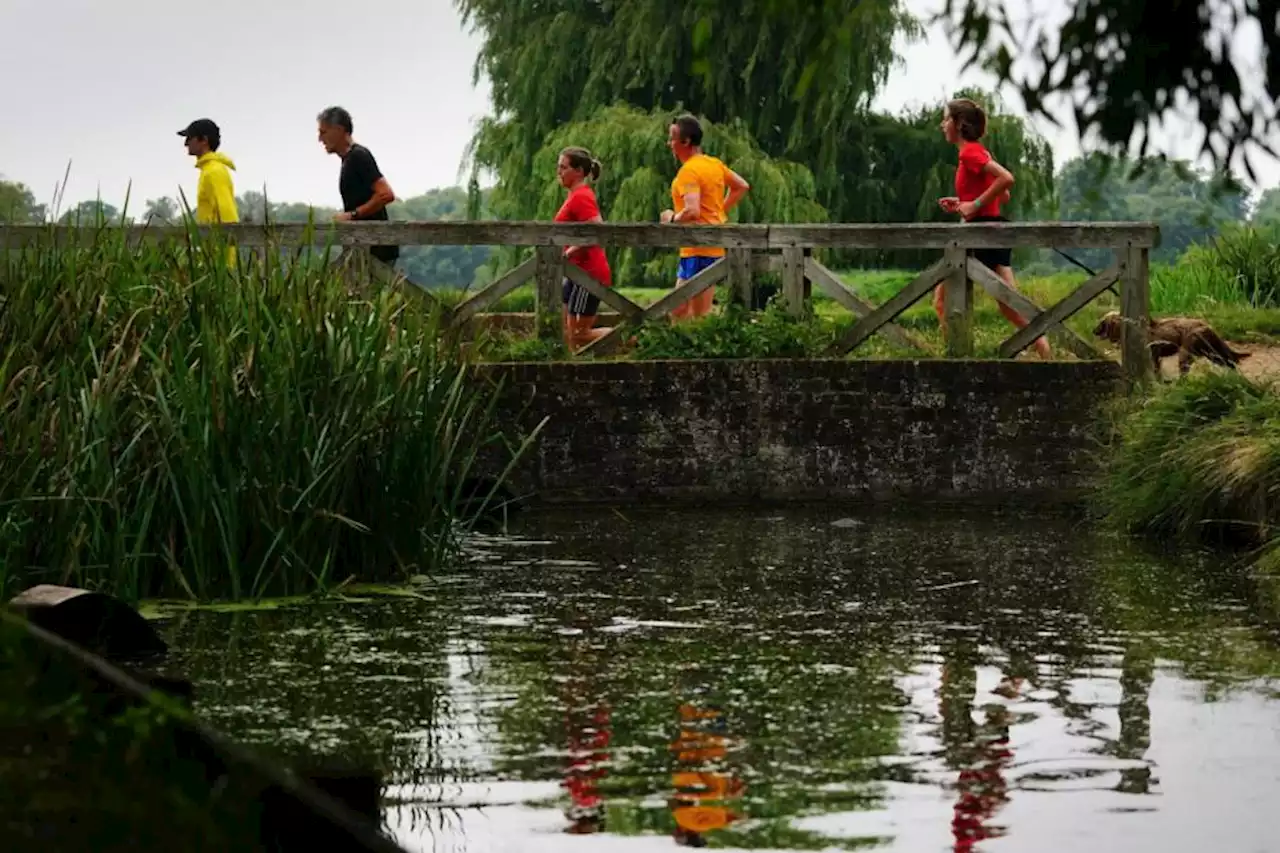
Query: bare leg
683, 311
1042, 345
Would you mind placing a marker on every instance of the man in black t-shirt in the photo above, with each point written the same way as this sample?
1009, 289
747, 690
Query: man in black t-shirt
365, 192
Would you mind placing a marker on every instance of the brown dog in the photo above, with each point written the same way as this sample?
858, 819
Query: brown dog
1185, 336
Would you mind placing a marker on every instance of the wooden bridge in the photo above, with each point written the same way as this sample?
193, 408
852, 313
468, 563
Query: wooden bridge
750, 249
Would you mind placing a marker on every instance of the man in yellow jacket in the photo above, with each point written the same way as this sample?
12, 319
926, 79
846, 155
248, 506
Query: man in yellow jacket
215, 193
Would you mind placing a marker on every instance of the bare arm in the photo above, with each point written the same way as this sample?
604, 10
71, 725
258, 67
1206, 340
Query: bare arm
382, 196
738, 188
692, 207
999, 187
570, 251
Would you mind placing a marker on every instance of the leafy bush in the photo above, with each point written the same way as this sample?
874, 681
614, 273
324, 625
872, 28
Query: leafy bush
737, 333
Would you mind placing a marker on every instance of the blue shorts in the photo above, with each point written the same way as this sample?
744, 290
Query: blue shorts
691, 266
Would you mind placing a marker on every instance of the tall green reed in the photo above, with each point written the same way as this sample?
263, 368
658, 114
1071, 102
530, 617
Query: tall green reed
174, 424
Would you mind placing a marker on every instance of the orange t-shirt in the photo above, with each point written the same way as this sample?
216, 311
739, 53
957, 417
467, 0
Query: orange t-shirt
706, 175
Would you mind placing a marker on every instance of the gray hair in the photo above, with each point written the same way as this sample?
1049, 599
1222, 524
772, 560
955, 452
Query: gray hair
336, 116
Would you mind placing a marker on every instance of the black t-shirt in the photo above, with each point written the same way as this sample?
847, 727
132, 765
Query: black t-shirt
355, 182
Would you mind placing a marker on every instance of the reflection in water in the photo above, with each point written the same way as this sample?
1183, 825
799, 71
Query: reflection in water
779, 682
587, 722
704, 784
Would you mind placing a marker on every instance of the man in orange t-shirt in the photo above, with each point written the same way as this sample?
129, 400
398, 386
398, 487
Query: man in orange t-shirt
698, 198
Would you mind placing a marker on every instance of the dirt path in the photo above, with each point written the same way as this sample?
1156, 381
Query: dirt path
1263, 362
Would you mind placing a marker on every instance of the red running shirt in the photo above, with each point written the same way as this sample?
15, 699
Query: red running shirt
971, 181
581, 206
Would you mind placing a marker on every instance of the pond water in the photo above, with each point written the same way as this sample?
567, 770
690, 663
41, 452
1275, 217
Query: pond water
781, 680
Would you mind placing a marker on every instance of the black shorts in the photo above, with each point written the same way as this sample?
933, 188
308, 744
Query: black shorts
992, 258
578, 300
386, 254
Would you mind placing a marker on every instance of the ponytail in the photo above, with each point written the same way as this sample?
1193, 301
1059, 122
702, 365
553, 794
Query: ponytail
581, 158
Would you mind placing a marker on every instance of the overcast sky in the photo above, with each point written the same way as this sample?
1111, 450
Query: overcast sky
106, 86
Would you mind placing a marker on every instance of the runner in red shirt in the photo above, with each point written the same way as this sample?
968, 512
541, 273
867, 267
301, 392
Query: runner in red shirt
982, 185
574, 168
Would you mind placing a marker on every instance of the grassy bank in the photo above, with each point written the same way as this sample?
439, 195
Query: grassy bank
1197, 460
173, 426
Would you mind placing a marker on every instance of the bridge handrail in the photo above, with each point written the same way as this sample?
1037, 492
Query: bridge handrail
844, 235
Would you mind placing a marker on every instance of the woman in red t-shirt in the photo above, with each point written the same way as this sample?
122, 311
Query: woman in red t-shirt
982, 185
574, 168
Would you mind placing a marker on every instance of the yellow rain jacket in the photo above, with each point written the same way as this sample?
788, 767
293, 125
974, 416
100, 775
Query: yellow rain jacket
215, 194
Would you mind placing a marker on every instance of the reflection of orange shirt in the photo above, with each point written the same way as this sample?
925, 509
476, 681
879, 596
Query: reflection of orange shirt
702, 819
699, 794
705, 175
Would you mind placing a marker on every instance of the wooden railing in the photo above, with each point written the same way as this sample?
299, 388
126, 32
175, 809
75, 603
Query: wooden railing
749, 249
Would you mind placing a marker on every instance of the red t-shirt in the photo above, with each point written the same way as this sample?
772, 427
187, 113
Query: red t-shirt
581, 206
971, 181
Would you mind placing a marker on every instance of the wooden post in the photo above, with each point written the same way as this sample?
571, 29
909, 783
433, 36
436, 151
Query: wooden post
547, 282
740, 279
957, 305
793, 280
1135, 309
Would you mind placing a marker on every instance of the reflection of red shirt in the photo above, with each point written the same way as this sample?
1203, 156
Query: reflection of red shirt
587, 745
971, 181
581, 206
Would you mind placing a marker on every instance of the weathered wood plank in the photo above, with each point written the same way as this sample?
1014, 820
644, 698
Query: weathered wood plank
899, 302
628, 234
548, 274
957, 305
740, 278
625, 307
1001, 292
1135, 308
388, 276
498, 288
793, 280
1060, 311
922, 235
829, 282
709, 277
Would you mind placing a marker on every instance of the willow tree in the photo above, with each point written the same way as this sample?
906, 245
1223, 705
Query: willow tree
635, 180
1122, 67
552, 63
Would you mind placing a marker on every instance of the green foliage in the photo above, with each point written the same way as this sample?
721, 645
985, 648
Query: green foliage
176, 427
800, 86
162, 211
1189, 205
737, 333
1198, 458
911, 165
1266, 212
93, 213
1126, 65
18, 203
431, 266
554, 63
635, 181
1251, 257
443, 266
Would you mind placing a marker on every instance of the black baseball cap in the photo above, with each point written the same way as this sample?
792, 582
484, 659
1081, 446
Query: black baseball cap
201, 127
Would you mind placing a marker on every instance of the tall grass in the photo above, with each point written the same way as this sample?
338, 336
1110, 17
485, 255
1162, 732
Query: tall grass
173, 425
1198, 459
